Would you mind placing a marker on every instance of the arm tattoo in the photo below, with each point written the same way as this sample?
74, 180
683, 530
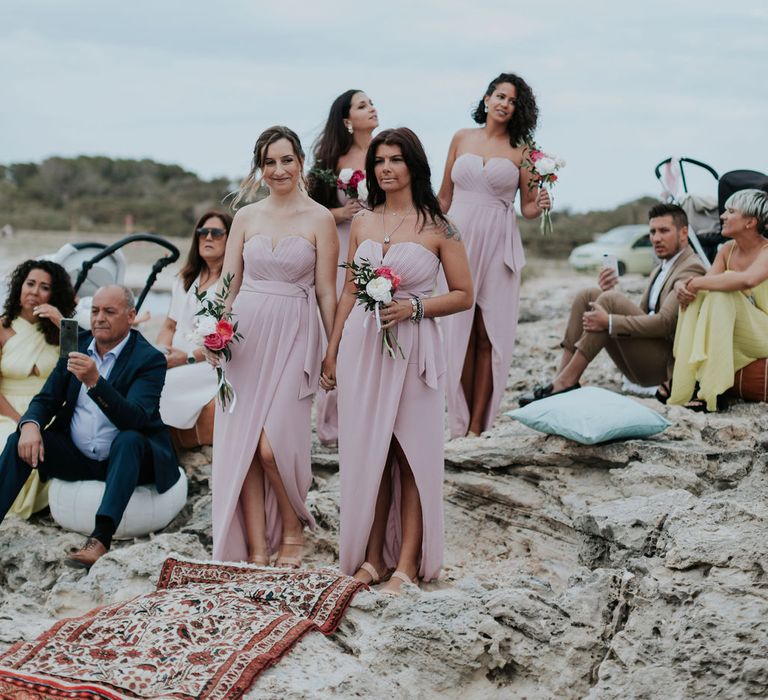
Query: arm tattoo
451, 231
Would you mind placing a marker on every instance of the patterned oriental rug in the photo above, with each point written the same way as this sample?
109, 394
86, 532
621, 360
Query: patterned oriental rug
206, 633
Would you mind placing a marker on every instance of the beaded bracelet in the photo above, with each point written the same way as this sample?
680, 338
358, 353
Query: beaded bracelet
419, 310
414, 309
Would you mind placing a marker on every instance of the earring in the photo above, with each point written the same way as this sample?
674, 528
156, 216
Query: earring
350, 129
485, 109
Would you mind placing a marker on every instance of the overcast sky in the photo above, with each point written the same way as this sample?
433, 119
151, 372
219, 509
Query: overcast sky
619, 88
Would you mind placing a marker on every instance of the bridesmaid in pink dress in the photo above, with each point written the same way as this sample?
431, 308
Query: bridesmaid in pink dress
282, 253
482, 174
391, 410
342, 145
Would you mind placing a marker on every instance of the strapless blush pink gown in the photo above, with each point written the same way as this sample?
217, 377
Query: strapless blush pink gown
483, 210
326, 416
274, 370
379, 397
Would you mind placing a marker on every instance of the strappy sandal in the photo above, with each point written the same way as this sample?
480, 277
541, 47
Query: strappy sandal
700, 405
403, 578
664, 391
370, 569
290, 562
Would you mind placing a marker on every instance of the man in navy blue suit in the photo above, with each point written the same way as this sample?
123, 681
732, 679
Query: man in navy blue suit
97, 417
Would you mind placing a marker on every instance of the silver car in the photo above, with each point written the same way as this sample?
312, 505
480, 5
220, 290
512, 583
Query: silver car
630, 244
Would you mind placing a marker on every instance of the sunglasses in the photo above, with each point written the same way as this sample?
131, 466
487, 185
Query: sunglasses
215, 232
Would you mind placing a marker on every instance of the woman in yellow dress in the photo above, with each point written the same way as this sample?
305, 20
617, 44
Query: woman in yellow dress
39, 294
723, 321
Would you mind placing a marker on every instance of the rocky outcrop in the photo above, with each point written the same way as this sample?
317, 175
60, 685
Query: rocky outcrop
630, 570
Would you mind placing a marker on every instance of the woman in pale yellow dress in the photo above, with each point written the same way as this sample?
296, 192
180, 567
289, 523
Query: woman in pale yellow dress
39, 294
723, 321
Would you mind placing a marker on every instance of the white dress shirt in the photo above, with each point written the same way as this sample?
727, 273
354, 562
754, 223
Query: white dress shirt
658, 283
91, 431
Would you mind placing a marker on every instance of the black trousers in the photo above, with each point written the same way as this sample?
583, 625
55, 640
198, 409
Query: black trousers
128, 465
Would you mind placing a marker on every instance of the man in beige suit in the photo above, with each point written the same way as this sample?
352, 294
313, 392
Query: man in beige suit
638, 338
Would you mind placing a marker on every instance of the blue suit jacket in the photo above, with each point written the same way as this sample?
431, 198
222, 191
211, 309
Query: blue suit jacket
130, 398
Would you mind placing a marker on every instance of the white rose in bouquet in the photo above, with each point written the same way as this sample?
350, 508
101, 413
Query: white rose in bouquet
362, 190
380, 289
546, 166
345, 175
204, 325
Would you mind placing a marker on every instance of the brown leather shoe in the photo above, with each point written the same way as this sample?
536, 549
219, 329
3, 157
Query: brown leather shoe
86, 556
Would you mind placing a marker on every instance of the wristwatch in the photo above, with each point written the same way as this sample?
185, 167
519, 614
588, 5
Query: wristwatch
191, 358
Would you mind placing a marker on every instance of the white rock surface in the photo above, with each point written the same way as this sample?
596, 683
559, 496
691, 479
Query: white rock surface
629, 570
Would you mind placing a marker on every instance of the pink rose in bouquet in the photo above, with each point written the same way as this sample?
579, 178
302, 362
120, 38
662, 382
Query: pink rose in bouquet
542, 167
225, 329
387, 273
214, 342
215, 331
352, 182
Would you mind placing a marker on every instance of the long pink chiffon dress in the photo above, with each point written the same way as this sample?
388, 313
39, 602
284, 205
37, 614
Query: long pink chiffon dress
274, 370
326, 417
381, 396
483, 210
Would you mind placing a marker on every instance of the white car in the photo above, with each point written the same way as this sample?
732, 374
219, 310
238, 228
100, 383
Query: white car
630, 244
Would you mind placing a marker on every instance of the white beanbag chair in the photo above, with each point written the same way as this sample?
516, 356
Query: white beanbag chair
74, 504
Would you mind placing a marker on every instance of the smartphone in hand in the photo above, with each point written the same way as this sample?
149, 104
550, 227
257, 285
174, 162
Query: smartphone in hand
68, 334
612, 262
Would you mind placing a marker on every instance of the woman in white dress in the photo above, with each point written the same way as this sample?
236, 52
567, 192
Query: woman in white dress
190, 383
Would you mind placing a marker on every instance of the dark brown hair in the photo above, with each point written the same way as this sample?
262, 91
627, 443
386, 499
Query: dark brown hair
424, 199
525, 115
679, 217
333, 143
194, 264
62, 296
251, 182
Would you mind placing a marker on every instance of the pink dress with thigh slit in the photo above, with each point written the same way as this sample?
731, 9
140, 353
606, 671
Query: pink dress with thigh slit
274, 370
381, 396
483, 210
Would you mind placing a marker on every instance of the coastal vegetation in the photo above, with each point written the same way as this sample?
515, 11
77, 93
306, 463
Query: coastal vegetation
96, 193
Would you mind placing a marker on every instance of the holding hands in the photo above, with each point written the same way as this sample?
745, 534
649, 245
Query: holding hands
328, 373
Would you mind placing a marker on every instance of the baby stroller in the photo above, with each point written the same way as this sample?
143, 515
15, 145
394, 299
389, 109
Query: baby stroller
92, 265
704, 211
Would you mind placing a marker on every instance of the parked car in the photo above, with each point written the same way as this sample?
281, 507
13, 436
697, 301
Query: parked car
630, 244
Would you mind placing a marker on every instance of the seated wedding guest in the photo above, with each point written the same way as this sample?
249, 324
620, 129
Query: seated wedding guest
638, 338
190, 383
97, 418
723, 325
39, 294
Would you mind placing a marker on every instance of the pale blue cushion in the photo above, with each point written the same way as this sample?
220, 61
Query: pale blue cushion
591, 415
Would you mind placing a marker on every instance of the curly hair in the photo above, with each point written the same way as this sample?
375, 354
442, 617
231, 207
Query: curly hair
194, 263
525, 116
62, 296
424, 199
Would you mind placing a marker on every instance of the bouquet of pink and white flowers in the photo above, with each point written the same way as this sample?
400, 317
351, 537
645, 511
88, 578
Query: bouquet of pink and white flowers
215, 331
376, 286
543, 167
352, 182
